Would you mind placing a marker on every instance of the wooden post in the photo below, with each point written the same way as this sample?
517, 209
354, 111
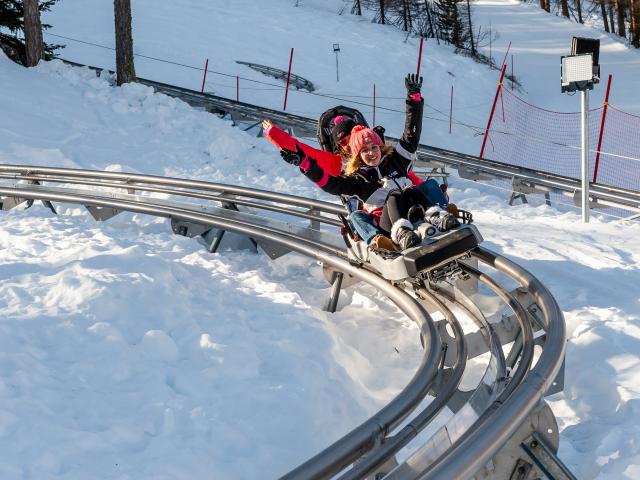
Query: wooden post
493, 109
204, 75
286, 90
604, 116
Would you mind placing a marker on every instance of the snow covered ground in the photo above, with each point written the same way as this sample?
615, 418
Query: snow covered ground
127, 352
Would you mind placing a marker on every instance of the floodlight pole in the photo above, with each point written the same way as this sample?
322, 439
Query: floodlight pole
584, 101
336, 49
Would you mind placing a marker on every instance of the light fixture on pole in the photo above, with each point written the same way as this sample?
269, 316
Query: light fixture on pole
336, 48
581, 71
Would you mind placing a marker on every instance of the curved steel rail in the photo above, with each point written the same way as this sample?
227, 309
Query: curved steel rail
352, 445
499, 422
496, 402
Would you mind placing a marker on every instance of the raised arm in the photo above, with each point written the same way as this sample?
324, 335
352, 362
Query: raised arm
413, 116
281, 139
333, 184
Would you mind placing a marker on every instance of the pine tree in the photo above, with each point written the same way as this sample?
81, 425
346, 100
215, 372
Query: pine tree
449, 22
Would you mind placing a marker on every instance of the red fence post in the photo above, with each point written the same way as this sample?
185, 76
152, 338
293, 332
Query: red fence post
286, 90
204, 76
237, 88
419, 57
374, 104
450, 109
604, 116
493, 109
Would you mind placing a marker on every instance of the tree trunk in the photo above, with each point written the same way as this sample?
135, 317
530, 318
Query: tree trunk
125, 69
634, 7
622, 30
473, 46
430, 21
579, 9
611, 21
547, 5
603, 12
542, 3
33, 33
356, 8
382, 12
564, 8
404, 16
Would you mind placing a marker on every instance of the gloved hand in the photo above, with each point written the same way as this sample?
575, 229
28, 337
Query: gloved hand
413, 83
294, 158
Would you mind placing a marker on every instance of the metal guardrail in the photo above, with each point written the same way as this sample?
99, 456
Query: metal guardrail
524, 180
484, 421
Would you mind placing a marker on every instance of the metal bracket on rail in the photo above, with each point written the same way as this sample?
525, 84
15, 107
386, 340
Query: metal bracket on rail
521, 189
531, 452
212, 237
7, 203
30, 201
474, 174
593, 202
101, 214
544, 456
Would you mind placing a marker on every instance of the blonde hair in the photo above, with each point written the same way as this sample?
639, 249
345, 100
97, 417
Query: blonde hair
355, 162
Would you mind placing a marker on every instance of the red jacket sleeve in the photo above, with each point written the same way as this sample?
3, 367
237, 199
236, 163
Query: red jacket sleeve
415, 179
330, 163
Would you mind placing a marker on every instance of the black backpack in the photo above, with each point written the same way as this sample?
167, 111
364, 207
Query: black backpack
325, 124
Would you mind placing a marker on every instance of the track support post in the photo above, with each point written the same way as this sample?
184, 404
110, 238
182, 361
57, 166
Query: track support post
336, 286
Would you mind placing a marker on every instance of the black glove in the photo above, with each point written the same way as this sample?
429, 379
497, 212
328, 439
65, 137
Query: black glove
294, 158
413, 83
379, 129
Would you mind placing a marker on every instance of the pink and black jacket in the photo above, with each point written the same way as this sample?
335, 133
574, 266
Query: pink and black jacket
373, 184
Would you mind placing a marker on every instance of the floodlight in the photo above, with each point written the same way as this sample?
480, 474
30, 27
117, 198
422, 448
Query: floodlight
336, 47
577, 68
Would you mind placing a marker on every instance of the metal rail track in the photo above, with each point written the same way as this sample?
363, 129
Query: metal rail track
485, 420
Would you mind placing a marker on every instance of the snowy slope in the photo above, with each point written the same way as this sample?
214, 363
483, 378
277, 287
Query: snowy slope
190, 31
127, 352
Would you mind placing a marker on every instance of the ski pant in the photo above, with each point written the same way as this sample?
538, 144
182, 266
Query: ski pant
398, 204
363, 225
431, 190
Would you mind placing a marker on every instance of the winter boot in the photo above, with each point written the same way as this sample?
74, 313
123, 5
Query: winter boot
403, 235
452, 208
441, 219
415, 213
384, 243
407, 238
